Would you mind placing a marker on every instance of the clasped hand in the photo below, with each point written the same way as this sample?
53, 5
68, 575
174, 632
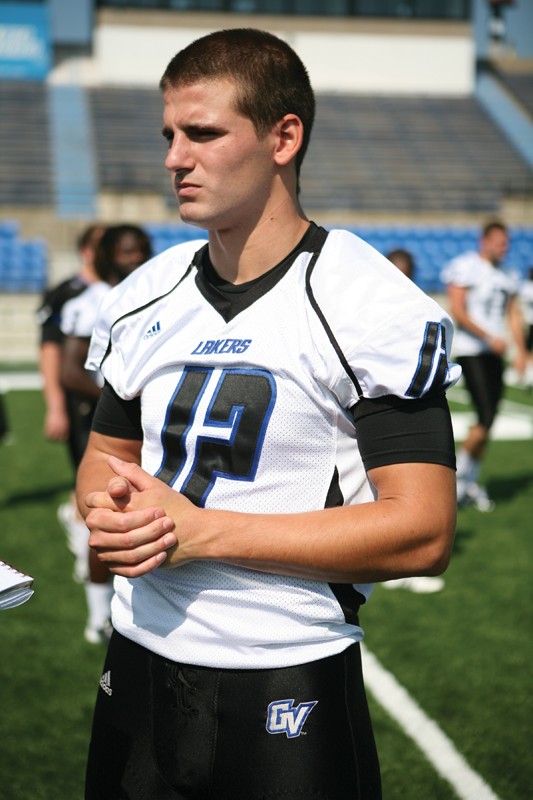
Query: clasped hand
132, 523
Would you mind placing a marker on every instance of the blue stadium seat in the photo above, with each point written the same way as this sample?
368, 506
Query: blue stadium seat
433, 245
165, 235
8, 229
23, 265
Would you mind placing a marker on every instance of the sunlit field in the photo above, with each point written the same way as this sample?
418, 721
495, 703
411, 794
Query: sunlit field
464, 654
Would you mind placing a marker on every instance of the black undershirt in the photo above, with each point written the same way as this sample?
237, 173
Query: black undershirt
231, 299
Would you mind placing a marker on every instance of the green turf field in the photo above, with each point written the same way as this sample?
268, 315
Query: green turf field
464, 654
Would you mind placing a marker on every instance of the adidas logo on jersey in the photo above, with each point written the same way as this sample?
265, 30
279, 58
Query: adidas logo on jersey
105, 683
283, 717
152, 331
219, 346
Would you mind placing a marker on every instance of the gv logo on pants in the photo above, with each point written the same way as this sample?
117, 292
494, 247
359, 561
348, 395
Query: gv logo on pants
284, 717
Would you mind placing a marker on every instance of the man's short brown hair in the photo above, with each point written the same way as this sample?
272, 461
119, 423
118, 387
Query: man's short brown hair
270, 78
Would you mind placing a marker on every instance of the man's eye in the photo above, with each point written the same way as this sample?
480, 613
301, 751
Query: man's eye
204, 134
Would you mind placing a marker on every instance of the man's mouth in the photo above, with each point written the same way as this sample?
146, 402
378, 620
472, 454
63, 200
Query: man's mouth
181, 186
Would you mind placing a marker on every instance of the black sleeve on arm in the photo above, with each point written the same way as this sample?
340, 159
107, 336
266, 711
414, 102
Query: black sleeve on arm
117, 417
391, 430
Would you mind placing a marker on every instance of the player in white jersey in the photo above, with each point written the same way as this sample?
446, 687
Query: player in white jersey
120, 250
272, 438
483, 300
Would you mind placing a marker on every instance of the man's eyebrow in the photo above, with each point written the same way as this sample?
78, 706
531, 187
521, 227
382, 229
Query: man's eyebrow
166, 132
199, 127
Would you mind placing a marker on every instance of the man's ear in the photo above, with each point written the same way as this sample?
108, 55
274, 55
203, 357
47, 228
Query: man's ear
290, 131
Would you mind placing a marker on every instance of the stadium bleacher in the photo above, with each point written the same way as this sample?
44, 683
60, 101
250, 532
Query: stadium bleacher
433, 245
129, 147
415, 154
23, 262
368, 154
25, 165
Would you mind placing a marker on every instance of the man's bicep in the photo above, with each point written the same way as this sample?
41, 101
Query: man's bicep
424, 499
433, 482
100, 447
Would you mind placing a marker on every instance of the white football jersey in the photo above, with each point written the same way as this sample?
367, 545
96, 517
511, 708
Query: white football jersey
489, 290
246, 407
78, 315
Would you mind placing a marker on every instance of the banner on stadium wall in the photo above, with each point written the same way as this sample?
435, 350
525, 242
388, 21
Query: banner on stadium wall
25, 51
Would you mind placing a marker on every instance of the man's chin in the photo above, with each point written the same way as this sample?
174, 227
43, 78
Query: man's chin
189, 214
190, 220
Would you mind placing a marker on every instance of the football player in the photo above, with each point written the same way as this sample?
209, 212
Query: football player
484, 298
272, 438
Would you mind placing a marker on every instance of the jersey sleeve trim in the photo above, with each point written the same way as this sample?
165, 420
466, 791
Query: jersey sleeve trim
318, 311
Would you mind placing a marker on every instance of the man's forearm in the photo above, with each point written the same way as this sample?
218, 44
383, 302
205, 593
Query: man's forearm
517, 327
408, 530
397, 535
50, 369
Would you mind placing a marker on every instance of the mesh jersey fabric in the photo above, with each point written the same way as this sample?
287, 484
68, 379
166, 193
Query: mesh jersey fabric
252, 413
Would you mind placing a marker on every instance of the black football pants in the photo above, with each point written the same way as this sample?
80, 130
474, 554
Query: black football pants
168, 731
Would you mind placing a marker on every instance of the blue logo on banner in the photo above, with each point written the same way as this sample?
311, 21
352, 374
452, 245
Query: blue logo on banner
24, 41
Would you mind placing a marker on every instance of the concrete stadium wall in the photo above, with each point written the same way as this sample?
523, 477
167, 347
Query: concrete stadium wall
346, 55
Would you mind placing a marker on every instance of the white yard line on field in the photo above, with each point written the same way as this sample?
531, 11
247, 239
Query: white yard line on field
514, 421
506, 428
459, 395
436, 746
10, 381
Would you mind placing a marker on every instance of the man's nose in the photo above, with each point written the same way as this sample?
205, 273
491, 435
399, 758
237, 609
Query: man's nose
178, 155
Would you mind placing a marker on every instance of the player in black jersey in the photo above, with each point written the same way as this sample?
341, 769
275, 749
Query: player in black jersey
61, 412
275, 398
67, 416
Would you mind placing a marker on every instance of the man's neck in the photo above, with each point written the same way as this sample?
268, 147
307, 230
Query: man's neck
492, 261
87, 273
240, 256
